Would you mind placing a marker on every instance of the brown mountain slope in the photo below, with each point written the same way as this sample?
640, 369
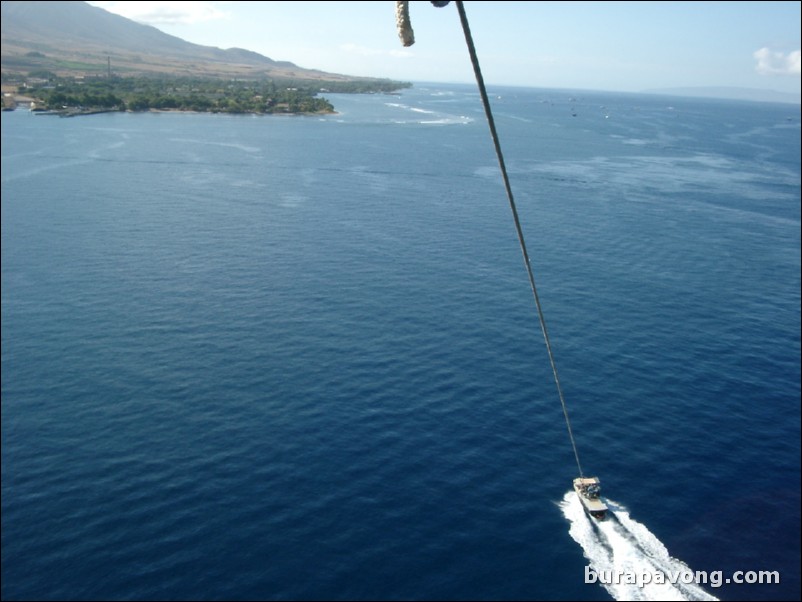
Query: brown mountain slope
75, 38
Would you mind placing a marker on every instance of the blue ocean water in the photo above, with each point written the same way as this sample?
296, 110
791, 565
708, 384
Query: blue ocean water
298, 358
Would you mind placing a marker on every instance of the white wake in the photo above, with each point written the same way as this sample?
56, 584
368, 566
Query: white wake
627, 559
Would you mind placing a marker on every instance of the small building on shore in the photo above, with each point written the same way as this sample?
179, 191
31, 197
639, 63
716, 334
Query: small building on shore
17, 101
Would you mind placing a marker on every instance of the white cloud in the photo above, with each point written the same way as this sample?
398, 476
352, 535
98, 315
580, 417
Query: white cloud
777, 63
165, 13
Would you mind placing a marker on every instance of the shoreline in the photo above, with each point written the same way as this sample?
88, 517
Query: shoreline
85, 112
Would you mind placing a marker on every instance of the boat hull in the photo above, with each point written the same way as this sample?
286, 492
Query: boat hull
587, 489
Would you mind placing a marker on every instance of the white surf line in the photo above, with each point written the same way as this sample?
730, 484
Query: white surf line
623, 555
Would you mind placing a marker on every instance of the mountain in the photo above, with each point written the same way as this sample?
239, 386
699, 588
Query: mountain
730, 93
75, 38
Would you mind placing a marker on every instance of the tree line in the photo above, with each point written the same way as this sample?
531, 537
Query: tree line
193, 94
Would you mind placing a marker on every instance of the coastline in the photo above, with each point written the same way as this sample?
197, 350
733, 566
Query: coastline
74, 112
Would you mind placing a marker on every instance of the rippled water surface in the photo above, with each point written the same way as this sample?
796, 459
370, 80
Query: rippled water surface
292, 358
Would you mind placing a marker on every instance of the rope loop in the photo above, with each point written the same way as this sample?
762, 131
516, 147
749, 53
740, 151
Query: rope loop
403, 24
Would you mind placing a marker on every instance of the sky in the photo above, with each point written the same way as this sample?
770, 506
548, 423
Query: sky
617, 46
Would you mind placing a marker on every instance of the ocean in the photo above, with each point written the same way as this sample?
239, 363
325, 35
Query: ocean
284, 358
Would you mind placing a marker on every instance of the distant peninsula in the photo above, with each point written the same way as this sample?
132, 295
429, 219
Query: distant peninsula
46, 92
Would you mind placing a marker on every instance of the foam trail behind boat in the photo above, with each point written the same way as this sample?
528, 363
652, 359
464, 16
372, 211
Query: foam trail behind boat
623, 546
